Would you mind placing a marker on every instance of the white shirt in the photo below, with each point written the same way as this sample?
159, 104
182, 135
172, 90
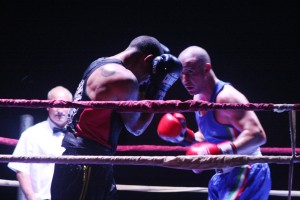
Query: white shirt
35, 141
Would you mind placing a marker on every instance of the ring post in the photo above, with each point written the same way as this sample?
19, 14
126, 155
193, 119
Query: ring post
26, 121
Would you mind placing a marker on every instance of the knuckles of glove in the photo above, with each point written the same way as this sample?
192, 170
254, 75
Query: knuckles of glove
170, 129
166, 63
166, 71
181, 119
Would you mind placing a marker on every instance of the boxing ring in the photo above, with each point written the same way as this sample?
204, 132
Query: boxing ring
175, 162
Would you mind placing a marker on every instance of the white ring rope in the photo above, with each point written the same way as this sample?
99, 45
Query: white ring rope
9, 183
178, 162
164, 189
161, 189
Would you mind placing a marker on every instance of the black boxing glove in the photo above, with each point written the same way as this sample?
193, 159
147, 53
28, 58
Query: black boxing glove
166, 70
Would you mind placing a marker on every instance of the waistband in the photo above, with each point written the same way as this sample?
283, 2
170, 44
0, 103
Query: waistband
84, 145
224, 170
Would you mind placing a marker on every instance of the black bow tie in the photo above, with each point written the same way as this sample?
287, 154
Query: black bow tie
56, 130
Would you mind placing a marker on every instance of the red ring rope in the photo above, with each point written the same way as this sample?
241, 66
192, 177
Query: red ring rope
163, 148
8, 141
148, 105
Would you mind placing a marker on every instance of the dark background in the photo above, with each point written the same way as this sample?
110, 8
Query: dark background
252, 44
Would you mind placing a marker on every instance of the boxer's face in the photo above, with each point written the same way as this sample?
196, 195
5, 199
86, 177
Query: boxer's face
192, 76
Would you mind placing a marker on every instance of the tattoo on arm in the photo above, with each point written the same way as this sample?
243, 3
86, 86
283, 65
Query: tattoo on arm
106, 71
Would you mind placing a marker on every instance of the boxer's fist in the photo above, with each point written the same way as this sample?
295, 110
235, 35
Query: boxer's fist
206, 148
202, 148
172, 128
166, 70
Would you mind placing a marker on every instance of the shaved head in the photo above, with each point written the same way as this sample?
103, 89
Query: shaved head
194, 53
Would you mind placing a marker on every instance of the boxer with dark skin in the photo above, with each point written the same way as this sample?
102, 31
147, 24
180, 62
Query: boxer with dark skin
96, 131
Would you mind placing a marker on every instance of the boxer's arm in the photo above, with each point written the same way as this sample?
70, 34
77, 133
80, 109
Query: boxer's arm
252, 133
113, 82
135, 122
166, 70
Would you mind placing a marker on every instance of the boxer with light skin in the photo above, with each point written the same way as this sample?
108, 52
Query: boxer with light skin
220, 131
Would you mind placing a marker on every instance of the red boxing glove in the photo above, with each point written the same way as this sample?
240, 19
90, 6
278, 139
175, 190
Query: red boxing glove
205, 148
172, 128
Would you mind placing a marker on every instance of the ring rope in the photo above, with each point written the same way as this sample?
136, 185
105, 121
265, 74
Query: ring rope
161, 189
163, 107
164, 189
165, 148
8, 141
152, 106
177, 162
